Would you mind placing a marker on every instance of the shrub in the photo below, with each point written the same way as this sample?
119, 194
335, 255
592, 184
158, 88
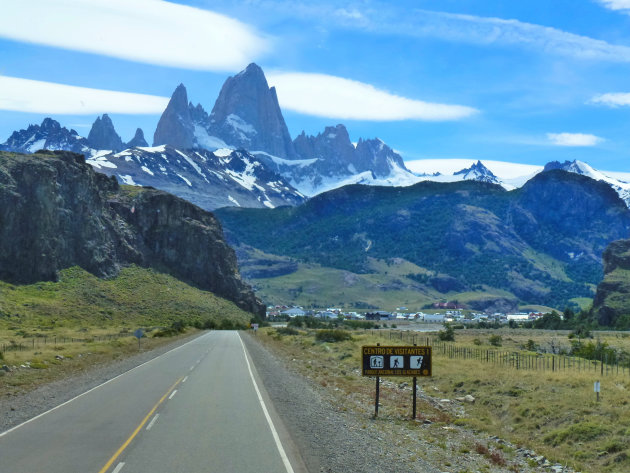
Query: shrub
332, 336
448, 334
495, 340
287, 331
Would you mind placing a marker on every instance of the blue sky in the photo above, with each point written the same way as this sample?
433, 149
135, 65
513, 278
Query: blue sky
525, 82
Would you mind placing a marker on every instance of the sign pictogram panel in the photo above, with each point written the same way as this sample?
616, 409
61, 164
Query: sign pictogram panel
396, 361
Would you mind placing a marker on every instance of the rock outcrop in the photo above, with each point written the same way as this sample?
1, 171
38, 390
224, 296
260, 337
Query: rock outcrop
56, 212
103, 135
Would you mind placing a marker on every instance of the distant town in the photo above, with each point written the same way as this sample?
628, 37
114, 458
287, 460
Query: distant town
403, 314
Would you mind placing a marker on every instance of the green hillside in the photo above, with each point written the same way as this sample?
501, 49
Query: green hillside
542, 243
136, 297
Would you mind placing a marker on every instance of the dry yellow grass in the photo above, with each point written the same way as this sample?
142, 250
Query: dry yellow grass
554, 413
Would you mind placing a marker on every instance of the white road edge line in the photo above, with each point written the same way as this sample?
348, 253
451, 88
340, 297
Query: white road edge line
184, 380
118, 467
276, 437
172, 394
155, 418
2, 434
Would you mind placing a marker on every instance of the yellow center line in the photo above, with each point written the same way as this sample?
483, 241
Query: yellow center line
135, 432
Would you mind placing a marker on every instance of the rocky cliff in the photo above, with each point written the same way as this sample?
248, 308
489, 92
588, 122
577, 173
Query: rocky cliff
56, 212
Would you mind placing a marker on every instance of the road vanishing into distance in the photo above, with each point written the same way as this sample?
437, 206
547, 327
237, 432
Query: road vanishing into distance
197, 408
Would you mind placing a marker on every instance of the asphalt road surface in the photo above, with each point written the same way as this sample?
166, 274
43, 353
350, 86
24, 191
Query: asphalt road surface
198, 408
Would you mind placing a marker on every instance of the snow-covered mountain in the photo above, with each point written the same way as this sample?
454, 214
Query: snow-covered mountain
579, 167
208, 179
49, 135
246, 115
478, 172
509, 175
265, 167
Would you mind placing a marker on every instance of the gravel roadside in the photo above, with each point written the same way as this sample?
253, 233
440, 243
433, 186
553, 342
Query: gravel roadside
329, 439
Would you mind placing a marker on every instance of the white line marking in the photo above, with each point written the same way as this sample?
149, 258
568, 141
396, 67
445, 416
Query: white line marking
118, 467
155, 417
100, 385
192, 368
172, 394
184, 380
276, 437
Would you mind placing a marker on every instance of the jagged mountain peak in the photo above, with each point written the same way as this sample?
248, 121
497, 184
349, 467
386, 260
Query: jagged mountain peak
137, 140
175, 126
478, 172
103, 135
49, 135
247, 115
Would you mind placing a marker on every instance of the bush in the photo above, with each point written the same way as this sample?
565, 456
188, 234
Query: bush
287, 331
332, 336
495, 340
448, 334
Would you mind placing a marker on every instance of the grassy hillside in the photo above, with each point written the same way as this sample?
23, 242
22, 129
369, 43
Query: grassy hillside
51, 330
136, 297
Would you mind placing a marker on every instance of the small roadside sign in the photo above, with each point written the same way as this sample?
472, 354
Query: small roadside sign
139, 333
396, 361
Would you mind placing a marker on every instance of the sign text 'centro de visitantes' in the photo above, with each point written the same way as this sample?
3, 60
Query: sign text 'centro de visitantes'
396, 361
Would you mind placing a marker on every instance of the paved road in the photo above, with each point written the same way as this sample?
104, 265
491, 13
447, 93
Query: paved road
195, 409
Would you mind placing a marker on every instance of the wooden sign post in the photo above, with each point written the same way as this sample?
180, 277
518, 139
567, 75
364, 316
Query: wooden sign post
396, 361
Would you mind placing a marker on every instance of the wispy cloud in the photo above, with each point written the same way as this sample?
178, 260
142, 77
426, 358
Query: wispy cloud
616, 4
336, 97
388, 18
25, 95
147, 31
613, 99
573, 139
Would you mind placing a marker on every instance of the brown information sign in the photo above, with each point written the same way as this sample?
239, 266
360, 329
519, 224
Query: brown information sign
396, 361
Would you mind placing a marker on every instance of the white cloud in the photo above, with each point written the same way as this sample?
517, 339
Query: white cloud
335, 97
25, 95
616, 4
390, 19
617, 99
148, 31
573, 139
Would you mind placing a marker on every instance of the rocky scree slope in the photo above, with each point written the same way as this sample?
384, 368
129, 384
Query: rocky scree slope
57, 212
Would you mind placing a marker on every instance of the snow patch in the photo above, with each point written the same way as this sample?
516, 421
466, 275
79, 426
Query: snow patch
233, 200
101, 162
147, 170
127, 179
223, 152
204, 140
36, 146
184, 179
153, 149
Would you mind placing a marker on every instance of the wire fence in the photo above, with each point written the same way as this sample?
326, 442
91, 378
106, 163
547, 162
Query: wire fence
40, 342
605, 365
